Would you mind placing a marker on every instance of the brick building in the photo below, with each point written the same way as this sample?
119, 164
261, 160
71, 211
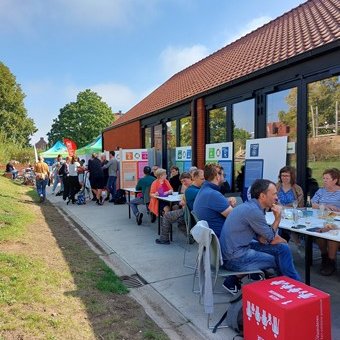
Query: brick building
261, 85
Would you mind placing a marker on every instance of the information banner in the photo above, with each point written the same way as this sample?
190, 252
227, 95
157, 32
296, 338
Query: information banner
221, 153
183, 158
132, 162
264, 159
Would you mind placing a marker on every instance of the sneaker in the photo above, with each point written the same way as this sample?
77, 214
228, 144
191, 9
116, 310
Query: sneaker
159, 241
232, 285
256, 277
139, 218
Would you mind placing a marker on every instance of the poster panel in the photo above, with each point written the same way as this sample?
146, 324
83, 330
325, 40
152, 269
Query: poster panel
183, 158
221, 153
128, 174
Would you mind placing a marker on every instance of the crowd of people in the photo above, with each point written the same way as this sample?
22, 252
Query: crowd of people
247, 241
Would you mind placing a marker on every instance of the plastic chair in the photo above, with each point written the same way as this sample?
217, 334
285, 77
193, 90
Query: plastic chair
188, 219
215, 262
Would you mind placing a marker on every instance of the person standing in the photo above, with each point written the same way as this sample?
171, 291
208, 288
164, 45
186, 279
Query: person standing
96, 178
113, 166
55, 172
42, 174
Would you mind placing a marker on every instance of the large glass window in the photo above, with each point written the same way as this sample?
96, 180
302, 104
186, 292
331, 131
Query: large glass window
147, 138
171, 142
217, 119
158, 144
281, 118
185, 131
323, 126
243, 129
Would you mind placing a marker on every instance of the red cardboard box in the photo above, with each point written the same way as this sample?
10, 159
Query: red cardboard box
282, 308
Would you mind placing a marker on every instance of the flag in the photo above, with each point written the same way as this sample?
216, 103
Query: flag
71, 146
35, 153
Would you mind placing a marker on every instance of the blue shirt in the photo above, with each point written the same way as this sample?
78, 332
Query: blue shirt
243, 224
322, 196
190, 195
286, 198
209, 204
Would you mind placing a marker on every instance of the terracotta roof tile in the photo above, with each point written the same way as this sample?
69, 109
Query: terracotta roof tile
306, 27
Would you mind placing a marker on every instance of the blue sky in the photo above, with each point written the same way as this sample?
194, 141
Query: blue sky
121, 49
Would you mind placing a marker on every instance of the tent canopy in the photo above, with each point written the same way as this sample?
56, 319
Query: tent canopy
59, 148
94, 146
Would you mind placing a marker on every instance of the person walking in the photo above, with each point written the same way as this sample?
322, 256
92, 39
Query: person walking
42, 174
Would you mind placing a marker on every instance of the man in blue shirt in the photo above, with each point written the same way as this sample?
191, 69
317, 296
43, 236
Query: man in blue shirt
249, 243
210, 205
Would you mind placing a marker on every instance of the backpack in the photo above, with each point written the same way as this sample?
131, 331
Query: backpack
62, 170
81, 199
120, 197
233, 316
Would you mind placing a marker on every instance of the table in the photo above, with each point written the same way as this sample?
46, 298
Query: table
129, 191
315, 222
170, 199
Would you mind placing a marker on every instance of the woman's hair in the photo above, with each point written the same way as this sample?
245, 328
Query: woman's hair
211, 170
159, 172
291, 171
184, 175
334, 173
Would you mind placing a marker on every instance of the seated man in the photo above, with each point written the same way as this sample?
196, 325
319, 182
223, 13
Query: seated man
143, 185
11, 169
178, 215
247, 222
210, 205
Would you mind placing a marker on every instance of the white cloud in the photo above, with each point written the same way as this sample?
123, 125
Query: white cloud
175, 59
26, 16
249, 27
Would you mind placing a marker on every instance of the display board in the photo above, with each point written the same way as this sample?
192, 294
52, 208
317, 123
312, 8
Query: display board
221, 153
264, 159
183, 158
132, 163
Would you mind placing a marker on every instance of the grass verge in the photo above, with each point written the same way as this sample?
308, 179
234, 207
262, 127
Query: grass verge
52, 285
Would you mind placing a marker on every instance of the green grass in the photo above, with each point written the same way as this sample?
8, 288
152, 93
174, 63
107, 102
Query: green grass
319, 167
14, 213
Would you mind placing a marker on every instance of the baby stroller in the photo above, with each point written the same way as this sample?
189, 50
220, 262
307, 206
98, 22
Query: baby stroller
85, 192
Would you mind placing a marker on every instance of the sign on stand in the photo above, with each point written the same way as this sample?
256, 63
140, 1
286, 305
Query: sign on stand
264, 159
132, 163
183, 158
221, 153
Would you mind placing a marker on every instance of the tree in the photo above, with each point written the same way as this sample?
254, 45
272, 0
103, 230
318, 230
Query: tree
83, 120
15, 125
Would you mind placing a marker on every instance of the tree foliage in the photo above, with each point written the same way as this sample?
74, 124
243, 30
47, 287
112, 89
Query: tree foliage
81, 121
15, 125
217, 125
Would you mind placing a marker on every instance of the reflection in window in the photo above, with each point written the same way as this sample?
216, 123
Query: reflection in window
218, 125
147, 138
243, 123
323, 126
185, 131
158, 144
281, 117
171, 142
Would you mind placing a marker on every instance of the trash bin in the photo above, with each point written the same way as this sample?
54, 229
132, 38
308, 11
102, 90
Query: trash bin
282, 308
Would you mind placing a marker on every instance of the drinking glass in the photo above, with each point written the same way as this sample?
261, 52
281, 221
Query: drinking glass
296, 217
295, 204
321, 210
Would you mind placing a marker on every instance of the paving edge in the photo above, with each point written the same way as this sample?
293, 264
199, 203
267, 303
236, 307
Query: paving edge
165, 315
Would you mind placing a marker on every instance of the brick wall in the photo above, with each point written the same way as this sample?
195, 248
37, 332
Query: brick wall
127, 137
200, 133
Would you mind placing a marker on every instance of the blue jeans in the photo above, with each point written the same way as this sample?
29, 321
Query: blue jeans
41, 187
111, 185
134, 203
265, 256
55, 181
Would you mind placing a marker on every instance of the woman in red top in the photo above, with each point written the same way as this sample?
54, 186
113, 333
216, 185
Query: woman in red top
160, 187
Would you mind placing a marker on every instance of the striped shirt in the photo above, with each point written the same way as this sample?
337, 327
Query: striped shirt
322, 196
